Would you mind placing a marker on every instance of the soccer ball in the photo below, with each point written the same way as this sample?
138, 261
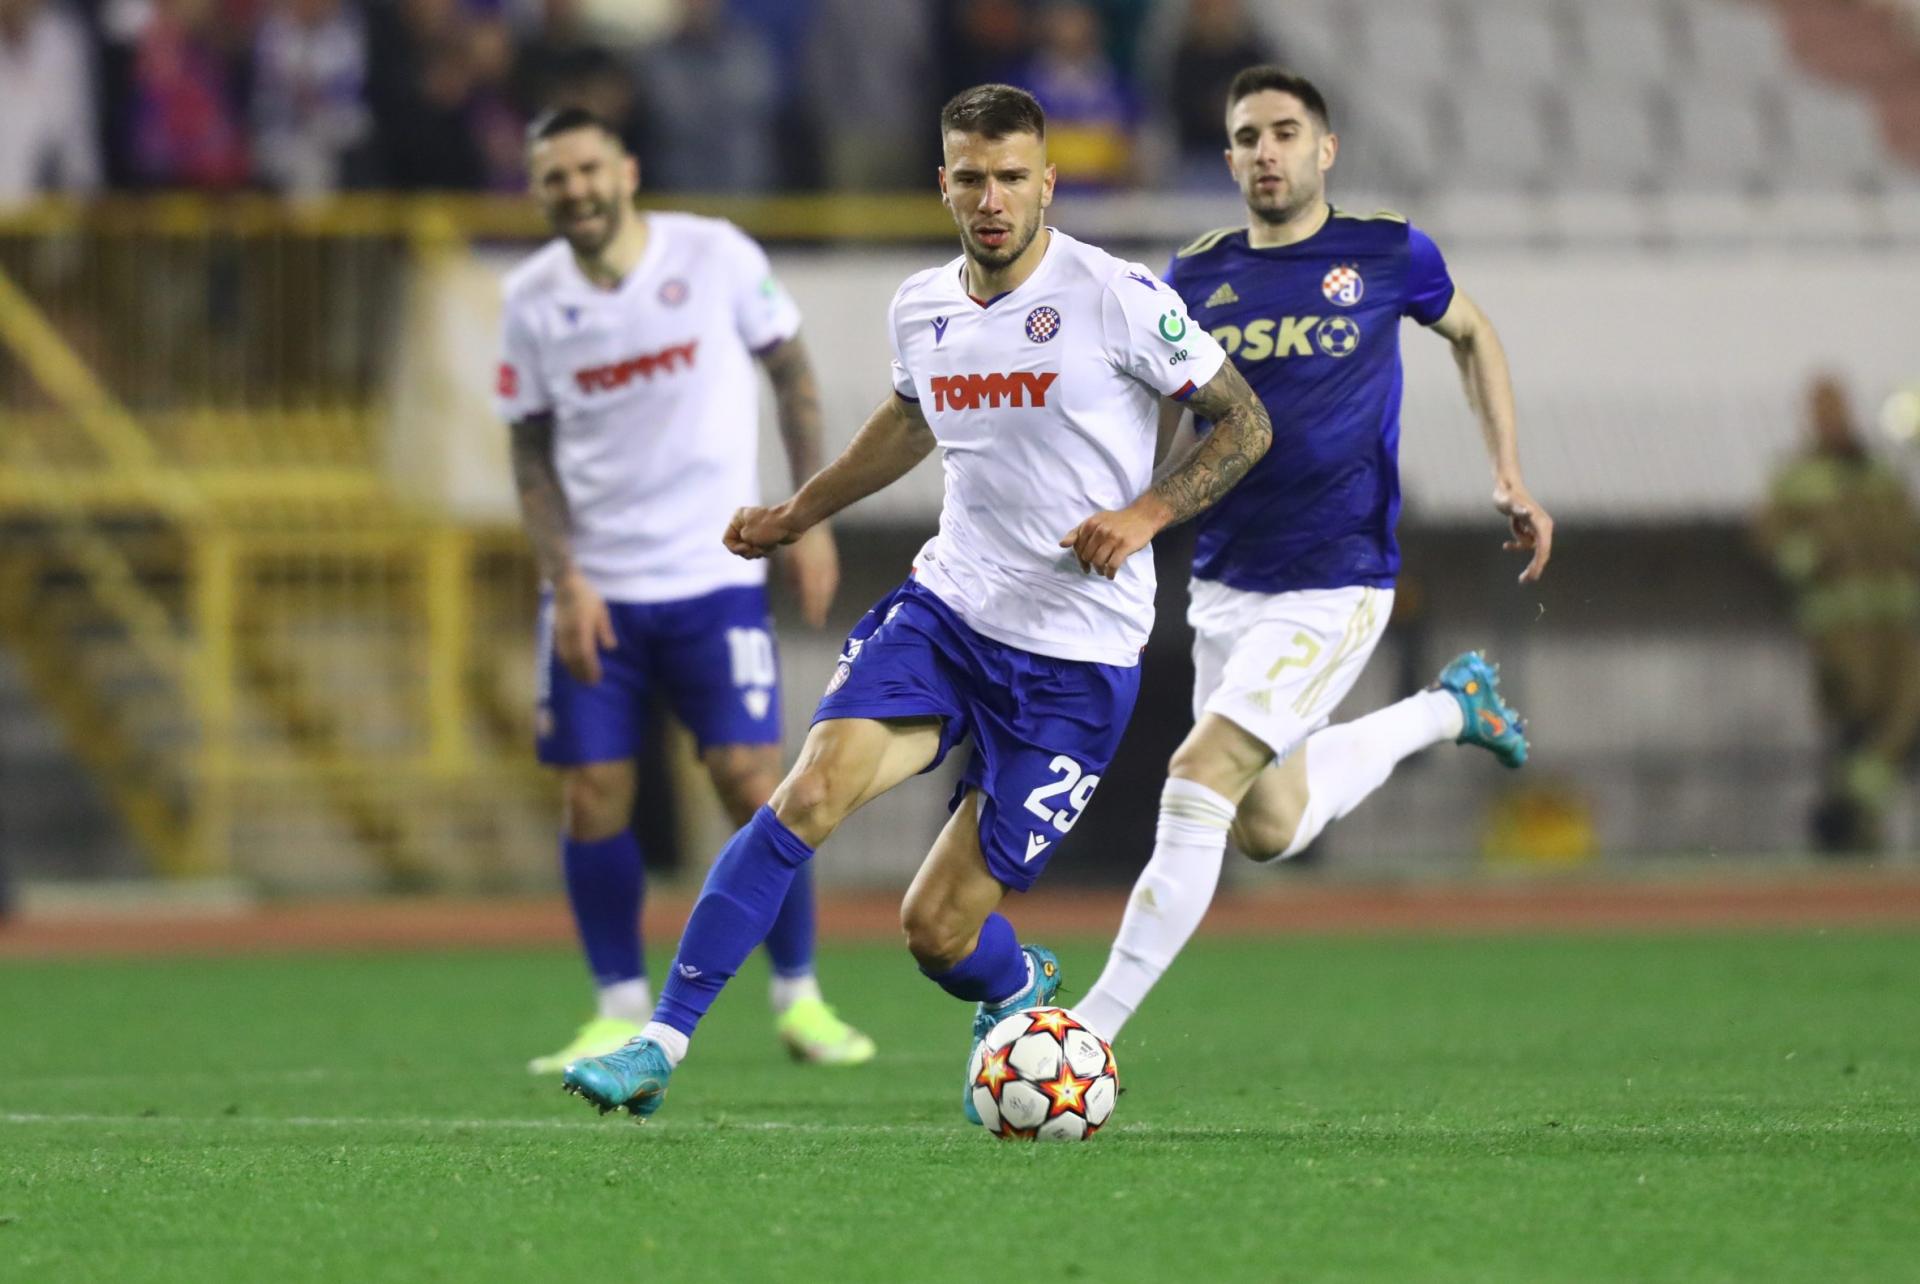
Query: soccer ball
1042, 1074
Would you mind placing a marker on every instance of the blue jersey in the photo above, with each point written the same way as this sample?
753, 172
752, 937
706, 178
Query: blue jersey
1315, 328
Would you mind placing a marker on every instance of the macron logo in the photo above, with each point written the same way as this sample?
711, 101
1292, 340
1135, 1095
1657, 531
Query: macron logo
621, 373
971, 391
1036, 845
687, 970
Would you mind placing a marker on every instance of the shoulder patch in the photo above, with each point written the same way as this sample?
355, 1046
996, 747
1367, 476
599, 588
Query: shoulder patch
1383, 216
1204, 242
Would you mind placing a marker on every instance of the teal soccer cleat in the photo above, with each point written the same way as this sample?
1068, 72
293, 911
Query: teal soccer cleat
631, 1078
1486, 719
1038, 994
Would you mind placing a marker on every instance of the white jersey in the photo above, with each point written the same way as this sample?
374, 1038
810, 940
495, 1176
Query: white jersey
654, 398
1045, 402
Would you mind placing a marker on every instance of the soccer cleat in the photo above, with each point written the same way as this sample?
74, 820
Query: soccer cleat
1038, 993
815, 1035
632, 1078
1486, 719
596, 1038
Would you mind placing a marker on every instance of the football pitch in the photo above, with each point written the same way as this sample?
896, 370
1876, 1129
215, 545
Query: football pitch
1710, 1107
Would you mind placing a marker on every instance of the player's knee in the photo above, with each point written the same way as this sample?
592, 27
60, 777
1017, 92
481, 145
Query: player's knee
744, 778
811, 801
597, 799
1219, 757
1265, 835
937, 937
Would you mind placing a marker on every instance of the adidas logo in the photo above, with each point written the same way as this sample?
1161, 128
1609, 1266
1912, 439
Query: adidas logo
1221, 296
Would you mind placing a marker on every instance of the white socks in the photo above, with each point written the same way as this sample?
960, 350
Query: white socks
789, 990
671, 1041
1347, 762
627, 1000
1344, 765
1168, 902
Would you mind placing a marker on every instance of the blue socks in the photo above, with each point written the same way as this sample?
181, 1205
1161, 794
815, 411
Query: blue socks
738, 906
993, 973
603, 886
790, 939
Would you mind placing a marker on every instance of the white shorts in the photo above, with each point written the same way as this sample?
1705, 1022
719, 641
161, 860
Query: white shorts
1279, 664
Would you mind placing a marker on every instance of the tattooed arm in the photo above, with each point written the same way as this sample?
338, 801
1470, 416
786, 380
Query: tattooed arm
582, 626
1241, 434
796, 397
812, 562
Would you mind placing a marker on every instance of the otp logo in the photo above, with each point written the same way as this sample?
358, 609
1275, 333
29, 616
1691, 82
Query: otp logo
621, 373
969, 391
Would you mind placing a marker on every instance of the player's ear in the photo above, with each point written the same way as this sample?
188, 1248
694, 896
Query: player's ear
1046, 189
630, 173
1329, 149
945, 199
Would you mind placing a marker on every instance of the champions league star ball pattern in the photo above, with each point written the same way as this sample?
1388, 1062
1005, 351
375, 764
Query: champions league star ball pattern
1042, 1075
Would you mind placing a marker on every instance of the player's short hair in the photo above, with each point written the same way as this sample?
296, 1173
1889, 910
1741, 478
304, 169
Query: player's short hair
1258, 79
564, 120
993, 111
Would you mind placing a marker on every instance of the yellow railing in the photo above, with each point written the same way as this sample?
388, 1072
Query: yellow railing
867, 218
266, 655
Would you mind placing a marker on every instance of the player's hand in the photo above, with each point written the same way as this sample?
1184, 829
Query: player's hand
1531, 526
756, 532
1105, 541
582, 627
813, 570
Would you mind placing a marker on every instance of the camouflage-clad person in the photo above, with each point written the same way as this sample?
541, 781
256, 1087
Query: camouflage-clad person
1843, 534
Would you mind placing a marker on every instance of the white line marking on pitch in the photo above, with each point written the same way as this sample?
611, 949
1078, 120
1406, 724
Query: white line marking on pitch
522, 1125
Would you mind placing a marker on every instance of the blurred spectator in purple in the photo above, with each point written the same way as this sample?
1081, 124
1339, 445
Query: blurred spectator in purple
709, 105
47, 120
441, 102
875, 106
1218, 42
981, 42
1091, 112
313, 126
184, 121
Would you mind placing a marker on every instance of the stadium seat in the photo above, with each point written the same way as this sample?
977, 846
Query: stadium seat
1610, 138
1721, 139
1500, 135
1423, 41
1524, 42
1317, 37
1736, 42
1834, 138
1627, 40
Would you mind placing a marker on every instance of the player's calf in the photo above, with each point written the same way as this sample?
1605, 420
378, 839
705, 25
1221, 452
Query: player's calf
1270, 814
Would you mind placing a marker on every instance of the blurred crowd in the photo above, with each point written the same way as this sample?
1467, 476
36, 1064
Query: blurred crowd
315, 96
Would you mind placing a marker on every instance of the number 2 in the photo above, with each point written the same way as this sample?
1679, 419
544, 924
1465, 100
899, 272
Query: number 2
1078, 788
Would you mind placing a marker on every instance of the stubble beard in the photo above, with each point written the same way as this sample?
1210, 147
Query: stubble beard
614, 214
1282, 214
994, 260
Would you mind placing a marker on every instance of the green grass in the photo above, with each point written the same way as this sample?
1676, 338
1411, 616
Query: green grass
1716, 1108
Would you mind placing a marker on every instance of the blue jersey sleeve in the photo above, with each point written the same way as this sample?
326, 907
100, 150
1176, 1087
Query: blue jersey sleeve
1429, 287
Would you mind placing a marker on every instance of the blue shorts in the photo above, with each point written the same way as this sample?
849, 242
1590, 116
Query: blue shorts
1043, 729
710, 658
